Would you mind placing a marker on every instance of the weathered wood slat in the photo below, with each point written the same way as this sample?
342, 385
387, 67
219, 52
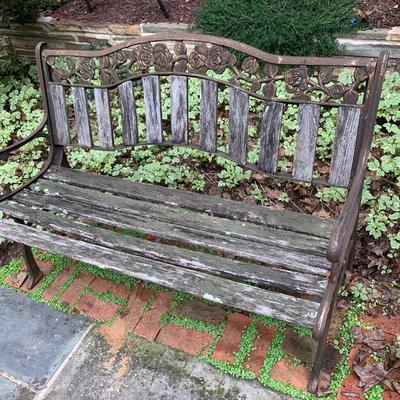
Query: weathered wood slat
288, 281
179, 109
128, 110
177, 216
208, 115
235, 210
270, 133
57, 95
238, 124
303, 164
152, 103
271, 255
82, 117
233, 294
345, 144
103, 114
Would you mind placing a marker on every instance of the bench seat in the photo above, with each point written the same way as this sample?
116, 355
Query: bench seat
261, 260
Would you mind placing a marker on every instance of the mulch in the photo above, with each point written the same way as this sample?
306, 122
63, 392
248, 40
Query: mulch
377, 13
127, 11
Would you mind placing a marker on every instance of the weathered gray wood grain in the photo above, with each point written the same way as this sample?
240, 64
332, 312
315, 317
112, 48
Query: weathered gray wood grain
246, 297
306, 140
254, 251
270, 134
152, 104
128, 110
216, 206
268, 277
208, 115
82, 117
57, 95
179, 109
103, 114
345, 144
238, 124
177, 216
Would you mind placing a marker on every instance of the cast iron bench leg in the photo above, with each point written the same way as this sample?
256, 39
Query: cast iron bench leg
34, 271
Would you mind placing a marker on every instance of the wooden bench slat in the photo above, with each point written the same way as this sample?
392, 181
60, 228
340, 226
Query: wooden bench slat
270, 133
179, 109
103, 115
219, 207
128, 110
208, 115
271, 255
152, 104
216, 289
345, 144
303, 164
238, 124
82, 117
267, 277
57, 95
177, 216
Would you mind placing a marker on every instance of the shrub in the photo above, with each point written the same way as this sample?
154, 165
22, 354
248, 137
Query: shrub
23, 11
286, 27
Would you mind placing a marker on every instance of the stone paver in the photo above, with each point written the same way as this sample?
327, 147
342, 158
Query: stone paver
149, 324
188, 340
229, 343
96, 308
34, 338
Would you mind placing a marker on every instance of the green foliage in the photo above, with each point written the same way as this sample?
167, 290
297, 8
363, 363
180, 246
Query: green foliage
23, 11
302, 27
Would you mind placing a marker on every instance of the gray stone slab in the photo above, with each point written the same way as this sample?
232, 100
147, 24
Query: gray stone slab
147, 371
34, 338
12, 391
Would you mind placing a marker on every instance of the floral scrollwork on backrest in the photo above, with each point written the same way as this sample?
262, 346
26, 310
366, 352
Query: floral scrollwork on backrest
261, 78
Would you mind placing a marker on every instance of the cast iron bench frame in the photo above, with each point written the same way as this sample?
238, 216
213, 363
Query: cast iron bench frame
354, 130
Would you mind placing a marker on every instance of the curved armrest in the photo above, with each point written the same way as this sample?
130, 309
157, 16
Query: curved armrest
37, 132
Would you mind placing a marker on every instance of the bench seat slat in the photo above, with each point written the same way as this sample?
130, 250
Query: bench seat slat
235, 210
208, 115
57, 95
82, 117
209, 287
128, 110
177, 216
103, 115
262, 276
179, 109
269, 254
152, 104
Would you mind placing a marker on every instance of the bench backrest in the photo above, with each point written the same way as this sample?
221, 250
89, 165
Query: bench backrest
84, 91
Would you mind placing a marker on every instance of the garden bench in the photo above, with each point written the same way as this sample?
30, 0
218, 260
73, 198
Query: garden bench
272, 262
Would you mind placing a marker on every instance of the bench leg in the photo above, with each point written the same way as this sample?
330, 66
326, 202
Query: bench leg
34, 272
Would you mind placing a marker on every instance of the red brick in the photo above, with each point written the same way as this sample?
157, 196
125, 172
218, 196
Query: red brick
200, 311
297, 375
149, 325
390, 325
101, 285
255, 360
187, 340
17, 280
121, 291
229, 343
96, 308
74, 291
350, 390
58, 282
389, 395
135, 308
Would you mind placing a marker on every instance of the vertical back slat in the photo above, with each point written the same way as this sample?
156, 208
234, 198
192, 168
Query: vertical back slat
128, 111
152, 103
179, 109
270, 133
306, 141
345, 143
103, 115
57, 94
82, 117
208, 115
238, 124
